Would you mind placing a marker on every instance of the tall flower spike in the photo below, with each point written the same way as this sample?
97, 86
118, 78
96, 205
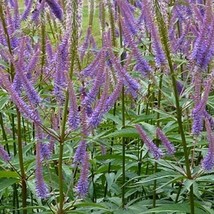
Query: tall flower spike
41, 187
55, 8
99, 111
83, 183
208, 161
61, 66
165, 141
32, 94
89, 99
210, 118
122, 73
128, 15
32, 62
92, 68
27, 10
26, 110
141, 64
11, 28
79, 15
4, 155
203, 42
39, 8
197, 81
114, 96
85, 44
156, 152
73, 117
199, 109
44, 147
83, 116
160, 57
80, 152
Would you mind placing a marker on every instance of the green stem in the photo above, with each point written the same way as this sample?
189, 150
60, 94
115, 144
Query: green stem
123, 151
4, 24
43, 48
164, 33
4, 133
112, 22
21, 163
158, 125
15, 191
123, 123
74, 43
61, 149
91, 15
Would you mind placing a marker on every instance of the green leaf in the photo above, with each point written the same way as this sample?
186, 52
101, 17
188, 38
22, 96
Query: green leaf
174, 208
7, 182
209, 178
4, 64
187, 184
8, 174
110, 177
3, 101
159, 176
126, 132
91, 205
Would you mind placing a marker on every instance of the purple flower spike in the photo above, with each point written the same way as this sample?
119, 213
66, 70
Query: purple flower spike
44, 147
141, 64
27, 10
180, 87
38, 10
208, 161
89, 99
80, 152
197, 125
127, 13
41, 187
167, 144
156, 152
25, 109
4, 155
210, 118
199, 109
203, 47
99, 111
73, 117
83, 183
123, 74
160, 58
114, 96
55, 8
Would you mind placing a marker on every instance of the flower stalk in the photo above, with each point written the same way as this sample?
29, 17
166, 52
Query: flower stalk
164, 38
